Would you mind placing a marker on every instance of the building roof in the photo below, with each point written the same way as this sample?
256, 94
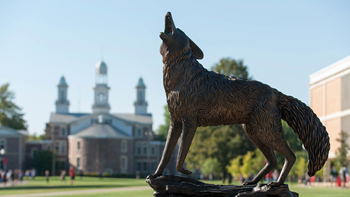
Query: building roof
39, 142
65, 117
62, 82
136, 118
140, 84
100, 131
9, 131
331, 70
71, 117
101, 68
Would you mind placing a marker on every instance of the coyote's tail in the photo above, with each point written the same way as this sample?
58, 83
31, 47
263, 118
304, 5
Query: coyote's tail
309, 129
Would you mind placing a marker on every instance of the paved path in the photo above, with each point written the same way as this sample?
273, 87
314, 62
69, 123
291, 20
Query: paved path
80, 191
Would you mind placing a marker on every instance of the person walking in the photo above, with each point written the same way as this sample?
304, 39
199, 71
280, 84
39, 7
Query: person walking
72, 175
343, 173
334, 175
47, 176
63, 176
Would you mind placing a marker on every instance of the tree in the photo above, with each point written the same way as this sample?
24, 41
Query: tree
343, 149
163, 129
210, 166
35, 137
10, 113
229, 67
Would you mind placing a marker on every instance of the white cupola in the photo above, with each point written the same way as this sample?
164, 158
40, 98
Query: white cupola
101, 89
62, 103
140, 105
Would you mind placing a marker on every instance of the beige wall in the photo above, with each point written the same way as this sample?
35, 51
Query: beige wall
333, 127
345, 92
333, 96
317, 100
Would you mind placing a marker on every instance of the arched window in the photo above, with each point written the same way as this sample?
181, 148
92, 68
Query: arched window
124, 146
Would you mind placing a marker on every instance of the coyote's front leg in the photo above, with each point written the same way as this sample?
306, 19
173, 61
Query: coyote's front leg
189, 129
174, 133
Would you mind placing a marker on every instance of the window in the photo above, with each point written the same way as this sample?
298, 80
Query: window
139, 166
124, 146
78, 145
48, 148
63, 131
138, 149
145, 150
78, 162
139, 132
124, 162
153, 166
56, 146
3, 146
63, 147
153, 151
145, 166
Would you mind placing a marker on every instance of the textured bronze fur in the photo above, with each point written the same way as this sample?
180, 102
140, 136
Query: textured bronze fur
198, 97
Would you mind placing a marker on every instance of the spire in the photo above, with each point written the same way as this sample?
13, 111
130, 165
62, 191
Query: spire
62, 82
62, 103
140, 105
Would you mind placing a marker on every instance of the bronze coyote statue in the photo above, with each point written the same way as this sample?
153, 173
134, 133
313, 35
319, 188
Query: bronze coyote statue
197, 97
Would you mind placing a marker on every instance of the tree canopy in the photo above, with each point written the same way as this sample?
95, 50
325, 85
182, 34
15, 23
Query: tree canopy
10, 113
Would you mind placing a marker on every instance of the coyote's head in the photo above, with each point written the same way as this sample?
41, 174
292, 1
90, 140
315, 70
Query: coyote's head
175, 40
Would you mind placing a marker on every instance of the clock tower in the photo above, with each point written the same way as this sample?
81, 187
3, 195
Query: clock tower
101, 89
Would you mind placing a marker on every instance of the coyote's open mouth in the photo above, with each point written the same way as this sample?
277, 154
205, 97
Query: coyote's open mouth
169, 25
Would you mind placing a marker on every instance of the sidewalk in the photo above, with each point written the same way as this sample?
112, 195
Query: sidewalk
80, 192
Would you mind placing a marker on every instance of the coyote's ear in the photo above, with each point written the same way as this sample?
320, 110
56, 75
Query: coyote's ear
196, 51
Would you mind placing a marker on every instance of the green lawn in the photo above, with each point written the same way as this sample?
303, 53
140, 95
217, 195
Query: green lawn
39, 186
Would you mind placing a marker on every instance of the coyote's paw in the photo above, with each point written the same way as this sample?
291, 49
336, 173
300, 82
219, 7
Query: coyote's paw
274, 184
152, 176
184, 171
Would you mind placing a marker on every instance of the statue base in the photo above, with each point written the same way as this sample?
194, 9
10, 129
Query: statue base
176, 186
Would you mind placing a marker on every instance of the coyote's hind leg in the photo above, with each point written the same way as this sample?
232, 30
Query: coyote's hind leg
267, 152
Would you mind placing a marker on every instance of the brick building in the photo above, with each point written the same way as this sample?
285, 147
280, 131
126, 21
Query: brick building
330, 100
12, 148
101, 140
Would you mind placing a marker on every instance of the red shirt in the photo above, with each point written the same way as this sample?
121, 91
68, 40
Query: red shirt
71, 172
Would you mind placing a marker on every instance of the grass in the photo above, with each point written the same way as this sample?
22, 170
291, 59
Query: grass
39, 186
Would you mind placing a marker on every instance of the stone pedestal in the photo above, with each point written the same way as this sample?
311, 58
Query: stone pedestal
175, 186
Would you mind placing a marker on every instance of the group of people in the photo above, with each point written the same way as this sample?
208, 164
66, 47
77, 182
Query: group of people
15, 176
71, 173
340, 178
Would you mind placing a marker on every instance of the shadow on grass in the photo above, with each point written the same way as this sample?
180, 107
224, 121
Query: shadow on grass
62, 187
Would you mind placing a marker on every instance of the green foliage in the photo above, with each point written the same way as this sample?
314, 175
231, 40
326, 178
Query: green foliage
210, 166
343, 149
229, 67
300, 167
35, 137
163, 129
250, 163
235, 167
10, 114
221, 142
42, 161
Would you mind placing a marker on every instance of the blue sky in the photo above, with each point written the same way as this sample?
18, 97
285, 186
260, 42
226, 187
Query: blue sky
281, 42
